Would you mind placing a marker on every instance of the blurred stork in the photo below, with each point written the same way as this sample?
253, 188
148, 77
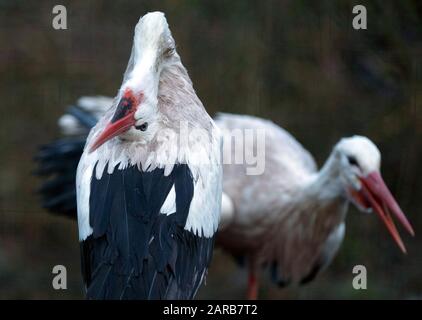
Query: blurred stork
291, 218
147, 209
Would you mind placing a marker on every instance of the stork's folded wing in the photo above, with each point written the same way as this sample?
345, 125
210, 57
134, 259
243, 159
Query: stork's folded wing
136, 250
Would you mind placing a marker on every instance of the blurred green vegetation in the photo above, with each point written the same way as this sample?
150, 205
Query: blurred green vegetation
299, 63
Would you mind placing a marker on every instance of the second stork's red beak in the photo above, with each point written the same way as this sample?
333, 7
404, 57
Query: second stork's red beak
376, 195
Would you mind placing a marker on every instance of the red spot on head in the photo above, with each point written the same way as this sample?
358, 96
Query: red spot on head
129, 95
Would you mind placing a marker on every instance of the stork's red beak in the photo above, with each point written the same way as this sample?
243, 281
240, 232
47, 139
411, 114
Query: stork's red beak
123, 119
113, 129
375, 194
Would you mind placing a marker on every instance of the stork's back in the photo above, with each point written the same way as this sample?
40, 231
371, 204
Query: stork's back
286, 162
281, 148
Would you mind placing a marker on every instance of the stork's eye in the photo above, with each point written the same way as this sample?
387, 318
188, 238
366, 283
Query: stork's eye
353, 161
142, 127
168, 52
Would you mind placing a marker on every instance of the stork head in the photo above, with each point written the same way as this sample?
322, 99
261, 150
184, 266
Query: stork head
359, 161
136, 115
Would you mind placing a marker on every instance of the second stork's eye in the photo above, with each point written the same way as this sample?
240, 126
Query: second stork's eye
353, 161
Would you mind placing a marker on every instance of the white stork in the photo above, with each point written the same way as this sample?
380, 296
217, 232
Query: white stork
292, 217
147, 208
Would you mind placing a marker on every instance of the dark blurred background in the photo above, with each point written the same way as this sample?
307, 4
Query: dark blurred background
299, 63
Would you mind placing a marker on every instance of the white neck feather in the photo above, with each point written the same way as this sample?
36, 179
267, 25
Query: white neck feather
327, 183
323, 197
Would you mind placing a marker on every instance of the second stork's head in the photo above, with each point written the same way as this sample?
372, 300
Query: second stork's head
358, 160
135, 115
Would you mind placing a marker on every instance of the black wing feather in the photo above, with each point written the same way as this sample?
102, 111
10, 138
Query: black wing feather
135, 252
57, 163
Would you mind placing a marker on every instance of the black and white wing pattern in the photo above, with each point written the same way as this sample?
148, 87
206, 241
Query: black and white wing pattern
138, 247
